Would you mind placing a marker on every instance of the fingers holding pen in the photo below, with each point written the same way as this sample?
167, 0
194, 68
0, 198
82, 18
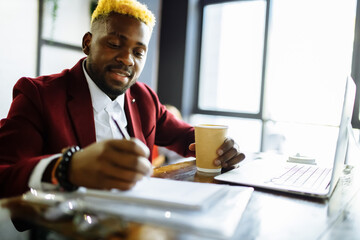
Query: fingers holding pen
133, 145
120, 178
111, 164
136, 154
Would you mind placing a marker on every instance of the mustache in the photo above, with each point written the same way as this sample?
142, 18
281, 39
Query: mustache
121, 67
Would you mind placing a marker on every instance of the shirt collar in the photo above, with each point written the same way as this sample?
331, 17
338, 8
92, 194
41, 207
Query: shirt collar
99, 99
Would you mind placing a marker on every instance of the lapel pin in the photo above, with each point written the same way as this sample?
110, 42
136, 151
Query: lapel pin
133, 100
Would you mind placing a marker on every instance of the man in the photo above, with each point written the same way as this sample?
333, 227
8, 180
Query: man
76, 107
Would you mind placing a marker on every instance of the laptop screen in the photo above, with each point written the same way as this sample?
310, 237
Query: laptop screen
345, 124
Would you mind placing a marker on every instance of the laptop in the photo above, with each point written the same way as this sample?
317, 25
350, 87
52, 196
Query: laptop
299, 178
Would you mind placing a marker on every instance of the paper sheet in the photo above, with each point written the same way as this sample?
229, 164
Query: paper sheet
218, 221
204, 209
165, 192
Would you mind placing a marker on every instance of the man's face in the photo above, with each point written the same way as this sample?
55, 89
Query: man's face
117, 50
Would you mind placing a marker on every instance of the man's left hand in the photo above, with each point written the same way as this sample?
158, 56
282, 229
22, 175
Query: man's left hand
228, 154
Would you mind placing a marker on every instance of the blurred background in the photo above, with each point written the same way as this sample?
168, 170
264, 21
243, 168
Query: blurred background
273, 70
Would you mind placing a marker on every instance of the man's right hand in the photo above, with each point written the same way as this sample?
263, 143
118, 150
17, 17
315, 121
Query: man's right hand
110, 164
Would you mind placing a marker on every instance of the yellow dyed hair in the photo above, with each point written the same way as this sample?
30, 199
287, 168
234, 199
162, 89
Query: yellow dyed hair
126, 7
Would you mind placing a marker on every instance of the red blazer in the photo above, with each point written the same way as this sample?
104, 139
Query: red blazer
51, 112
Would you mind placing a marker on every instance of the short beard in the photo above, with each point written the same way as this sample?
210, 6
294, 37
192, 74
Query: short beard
101, 83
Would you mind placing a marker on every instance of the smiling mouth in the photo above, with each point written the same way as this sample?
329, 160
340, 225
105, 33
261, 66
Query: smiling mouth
120, 76
123, 75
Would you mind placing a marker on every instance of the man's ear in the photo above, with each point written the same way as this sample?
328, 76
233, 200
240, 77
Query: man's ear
86, 42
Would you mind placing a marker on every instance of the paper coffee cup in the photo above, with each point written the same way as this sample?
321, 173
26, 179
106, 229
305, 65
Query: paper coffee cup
208, 138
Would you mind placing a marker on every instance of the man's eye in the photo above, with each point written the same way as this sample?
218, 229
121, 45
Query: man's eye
139, 53
113, 45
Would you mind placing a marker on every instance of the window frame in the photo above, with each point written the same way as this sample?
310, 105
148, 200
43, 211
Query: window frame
48, 42
355, 71
180, 58
195, 107
256, 116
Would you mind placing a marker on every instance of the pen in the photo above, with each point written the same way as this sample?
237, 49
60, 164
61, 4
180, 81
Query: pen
123, 132
126, 136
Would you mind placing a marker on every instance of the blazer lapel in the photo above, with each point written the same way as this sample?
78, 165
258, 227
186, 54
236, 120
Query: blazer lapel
80, 107
133, 117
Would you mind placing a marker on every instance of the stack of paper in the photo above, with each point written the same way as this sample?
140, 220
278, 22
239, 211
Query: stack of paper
204, 209
208, 210
165, 193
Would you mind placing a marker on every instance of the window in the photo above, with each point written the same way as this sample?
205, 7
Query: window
280, 63
59, 36
232, 56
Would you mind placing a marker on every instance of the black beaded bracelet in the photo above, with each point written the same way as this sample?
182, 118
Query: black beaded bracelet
62, 171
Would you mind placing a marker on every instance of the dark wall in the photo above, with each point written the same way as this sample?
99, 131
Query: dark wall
355, 71
172, 52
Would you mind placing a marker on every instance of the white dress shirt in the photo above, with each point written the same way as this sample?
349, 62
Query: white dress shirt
105, 128
104, 108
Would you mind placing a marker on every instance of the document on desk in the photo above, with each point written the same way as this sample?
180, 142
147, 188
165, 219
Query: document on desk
204, 209
208, 210
165, 193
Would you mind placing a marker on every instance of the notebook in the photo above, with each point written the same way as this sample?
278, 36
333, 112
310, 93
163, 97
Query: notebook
205, 210
158, 192
299, 178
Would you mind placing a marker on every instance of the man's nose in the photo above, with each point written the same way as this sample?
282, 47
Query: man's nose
125, 57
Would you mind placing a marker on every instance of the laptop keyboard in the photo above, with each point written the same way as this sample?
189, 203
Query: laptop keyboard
307, 176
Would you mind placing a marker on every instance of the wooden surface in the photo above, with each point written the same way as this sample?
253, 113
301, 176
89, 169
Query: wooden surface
269, 215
